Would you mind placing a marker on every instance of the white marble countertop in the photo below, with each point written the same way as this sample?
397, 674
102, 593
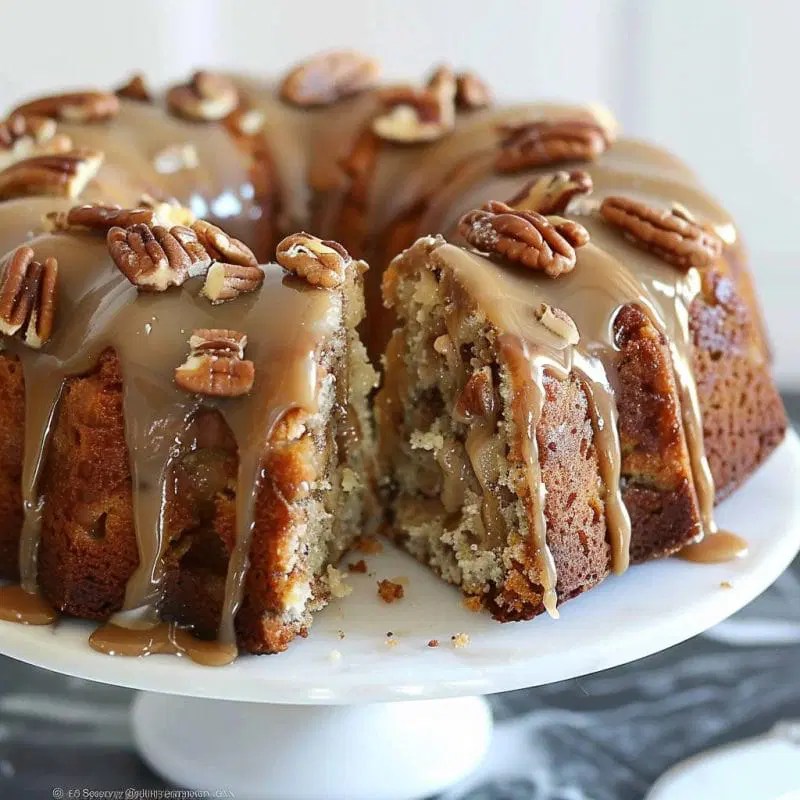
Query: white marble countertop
604, 737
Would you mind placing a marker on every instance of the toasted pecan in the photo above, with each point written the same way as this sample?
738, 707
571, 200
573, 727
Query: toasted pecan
222, 247
216, 365
551, 194
525, 237
319, 261
538, 144
59, 175
472, 93
28, 296
227, 281
671, 234
154, 258
476, 399
328, 78
207, 97
22, 137
86, 106
135, 89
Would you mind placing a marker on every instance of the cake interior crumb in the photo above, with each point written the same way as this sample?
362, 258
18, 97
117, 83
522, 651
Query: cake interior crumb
389, 591
460, 639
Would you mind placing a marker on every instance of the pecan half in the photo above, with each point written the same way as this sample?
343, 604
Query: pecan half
551, 194
329, 77
222, 247
471, 92
672, 235
88, 106
98, 217
61, 175
321, 262
412, 115
537, 144
228, 281
154, 258
216, 365
28, 297
22, 137
526, 237
135, 89
476, 399
559, 323
207, 97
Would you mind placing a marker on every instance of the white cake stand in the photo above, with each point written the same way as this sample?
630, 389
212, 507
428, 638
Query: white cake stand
331, 718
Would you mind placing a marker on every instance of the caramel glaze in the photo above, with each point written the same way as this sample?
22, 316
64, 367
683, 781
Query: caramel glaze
99, 309
17, 605
722, 546
164, 638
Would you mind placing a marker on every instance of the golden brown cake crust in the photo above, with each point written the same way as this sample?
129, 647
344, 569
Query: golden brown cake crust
12, 442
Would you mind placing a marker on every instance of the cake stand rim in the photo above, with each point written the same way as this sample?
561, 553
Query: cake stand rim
246, 680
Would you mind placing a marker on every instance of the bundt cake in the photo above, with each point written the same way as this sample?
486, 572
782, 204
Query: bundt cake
574, 366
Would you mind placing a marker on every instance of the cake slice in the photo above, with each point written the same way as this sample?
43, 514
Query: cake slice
539, 422
211, 483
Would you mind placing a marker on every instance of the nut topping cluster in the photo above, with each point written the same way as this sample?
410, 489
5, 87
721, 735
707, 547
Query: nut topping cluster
216, 365
135, 89
207, 97
22, 137
525, 237
58, 175
154, 258
88, 106
328, 78
673, 235
28, 297
539, 144
551, 194
320, 262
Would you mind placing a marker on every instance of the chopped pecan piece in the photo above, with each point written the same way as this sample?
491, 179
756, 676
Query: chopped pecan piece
207, 97
551, 194
222, 247
28, 297
88, 106
476, 399
329, 77
538, 144
672, 234
216, 365
559, 323
321, 262
227, 281
154, 258
135, 89
471, 92
22, 137
526, 237
62, 175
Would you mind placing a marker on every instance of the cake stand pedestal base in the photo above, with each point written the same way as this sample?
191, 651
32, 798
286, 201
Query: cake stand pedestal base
261, 751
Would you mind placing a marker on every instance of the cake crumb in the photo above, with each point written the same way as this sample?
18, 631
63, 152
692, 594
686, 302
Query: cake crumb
340, 634
390, 641
357, 566
334, 656
726, 585
336, 583
389, 591
369, 545
460, 639
433, 643
472, 603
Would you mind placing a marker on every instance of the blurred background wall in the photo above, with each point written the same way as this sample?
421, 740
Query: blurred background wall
715, 80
